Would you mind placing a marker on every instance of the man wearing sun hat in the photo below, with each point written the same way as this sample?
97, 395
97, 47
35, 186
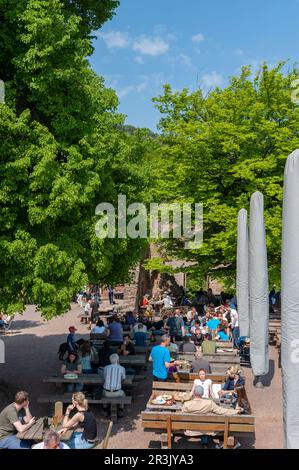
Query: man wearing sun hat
71, 339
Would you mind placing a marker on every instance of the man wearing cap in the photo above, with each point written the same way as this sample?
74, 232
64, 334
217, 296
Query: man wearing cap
71, 339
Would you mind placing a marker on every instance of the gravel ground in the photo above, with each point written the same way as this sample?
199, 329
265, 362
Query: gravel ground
31, 354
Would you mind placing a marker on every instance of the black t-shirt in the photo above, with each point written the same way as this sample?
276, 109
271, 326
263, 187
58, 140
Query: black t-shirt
158, 325
89, 425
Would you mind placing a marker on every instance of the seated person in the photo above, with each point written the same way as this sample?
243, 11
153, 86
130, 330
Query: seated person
99, 329
205, 383
202, 406
173, 349
15, 418
131, 319
115, 331
114, 374
83, 423
136, 328
127, 348
51, 441
140, 336
87, 355
72, 366
104, 357
208, 346
158, 327
200, 363
3, 322
233, 381
187, 346
196, 332
221, 334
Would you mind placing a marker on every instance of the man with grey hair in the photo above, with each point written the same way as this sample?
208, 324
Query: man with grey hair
200, 363
203, 406
51, 441
160, 357
114, 374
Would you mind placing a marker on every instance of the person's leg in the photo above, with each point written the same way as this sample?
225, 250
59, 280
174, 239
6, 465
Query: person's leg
70, 388
12, 442
77, 442
79, 387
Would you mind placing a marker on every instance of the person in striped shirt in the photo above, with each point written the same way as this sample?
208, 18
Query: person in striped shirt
114, 374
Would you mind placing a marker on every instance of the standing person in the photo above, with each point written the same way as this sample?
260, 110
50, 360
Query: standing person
15, 418
160, 357
71, 340
94, 306
235, 326
111, 294
114, 374
83, 423
176, 326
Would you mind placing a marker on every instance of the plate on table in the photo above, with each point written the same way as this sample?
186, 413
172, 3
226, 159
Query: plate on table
158, 401
70, 376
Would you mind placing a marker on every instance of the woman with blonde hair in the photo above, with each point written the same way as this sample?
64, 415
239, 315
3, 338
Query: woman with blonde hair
83, 423
233, 381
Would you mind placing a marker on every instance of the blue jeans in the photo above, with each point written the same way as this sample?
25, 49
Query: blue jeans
74, 387
236, 335
12, 442
77, 441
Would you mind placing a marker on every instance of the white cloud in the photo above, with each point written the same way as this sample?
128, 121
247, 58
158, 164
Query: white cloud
139, 59
185, 59
139, 88
239, 51
146, 45
211, 80
115, 39
198, 38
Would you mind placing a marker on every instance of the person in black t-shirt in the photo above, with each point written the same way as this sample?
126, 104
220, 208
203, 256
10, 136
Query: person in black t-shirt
127, 348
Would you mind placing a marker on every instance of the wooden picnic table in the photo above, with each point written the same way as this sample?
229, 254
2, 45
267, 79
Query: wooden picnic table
84, 378
36, 431
176, 406
135, 360
216, 358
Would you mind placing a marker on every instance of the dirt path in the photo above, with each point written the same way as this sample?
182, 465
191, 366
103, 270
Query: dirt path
31, 354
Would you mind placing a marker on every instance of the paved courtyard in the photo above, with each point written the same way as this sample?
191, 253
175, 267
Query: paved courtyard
31, 354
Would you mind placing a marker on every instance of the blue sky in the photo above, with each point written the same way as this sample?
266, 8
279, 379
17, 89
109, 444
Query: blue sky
189, 43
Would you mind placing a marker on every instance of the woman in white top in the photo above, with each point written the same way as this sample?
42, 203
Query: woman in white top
205, 383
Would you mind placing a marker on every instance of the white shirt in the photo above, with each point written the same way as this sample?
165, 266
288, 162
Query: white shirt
136, 329
100, 330
206, 385
113, 376
234, 318
41, 445
167, 301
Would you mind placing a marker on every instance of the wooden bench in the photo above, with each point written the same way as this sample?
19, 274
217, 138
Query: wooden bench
181, 377
67, 398
84, 318
173, 423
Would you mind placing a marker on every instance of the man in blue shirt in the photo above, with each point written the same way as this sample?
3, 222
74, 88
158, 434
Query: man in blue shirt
160, 357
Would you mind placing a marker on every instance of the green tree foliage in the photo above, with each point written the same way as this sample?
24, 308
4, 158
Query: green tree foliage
62, 153
220, 148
